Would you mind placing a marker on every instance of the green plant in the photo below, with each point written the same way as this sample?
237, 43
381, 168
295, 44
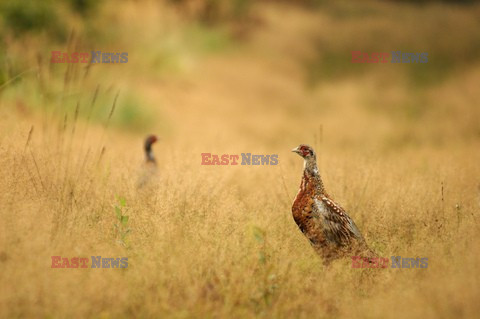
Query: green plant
121, 226
33, 16
267, 282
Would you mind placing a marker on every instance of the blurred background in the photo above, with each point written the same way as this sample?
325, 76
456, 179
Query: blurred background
398, 145
220, 58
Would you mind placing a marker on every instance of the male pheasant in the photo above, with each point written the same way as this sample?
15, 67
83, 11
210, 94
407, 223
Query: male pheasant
150, 167
331, 232
150, 159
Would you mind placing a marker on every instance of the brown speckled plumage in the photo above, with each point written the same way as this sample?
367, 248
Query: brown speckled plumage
330, 230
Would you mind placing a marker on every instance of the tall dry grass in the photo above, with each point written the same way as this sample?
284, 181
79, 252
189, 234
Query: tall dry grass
219, 241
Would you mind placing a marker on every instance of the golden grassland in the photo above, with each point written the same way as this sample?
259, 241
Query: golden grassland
220, 241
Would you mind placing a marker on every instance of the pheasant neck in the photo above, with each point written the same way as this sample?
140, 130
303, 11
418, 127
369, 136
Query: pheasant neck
149, 153
310, 171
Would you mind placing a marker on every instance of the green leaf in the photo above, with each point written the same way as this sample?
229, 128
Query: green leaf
118, 212
122, 201
259, 234
124, 220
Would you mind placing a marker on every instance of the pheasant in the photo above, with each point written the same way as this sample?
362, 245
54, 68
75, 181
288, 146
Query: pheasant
148, 149
150, 166
330, 230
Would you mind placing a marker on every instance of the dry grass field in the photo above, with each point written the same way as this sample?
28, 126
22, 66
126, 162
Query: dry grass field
398, 146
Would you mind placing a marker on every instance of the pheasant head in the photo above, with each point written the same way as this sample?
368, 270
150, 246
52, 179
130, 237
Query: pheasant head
148, 148
305, 151
310, 164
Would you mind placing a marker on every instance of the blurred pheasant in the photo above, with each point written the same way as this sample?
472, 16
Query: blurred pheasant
148, 149
150, 166
331, 232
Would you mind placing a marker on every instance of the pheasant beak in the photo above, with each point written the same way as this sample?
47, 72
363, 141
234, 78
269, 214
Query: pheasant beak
296, 150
